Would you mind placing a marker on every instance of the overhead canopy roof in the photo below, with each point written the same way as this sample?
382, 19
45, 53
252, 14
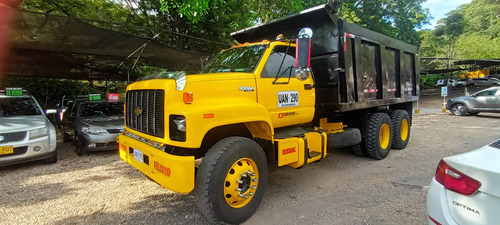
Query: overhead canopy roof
480, 62
43, 45
439, 71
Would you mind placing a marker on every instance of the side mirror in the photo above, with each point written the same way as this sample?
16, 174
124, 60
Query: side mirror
50, 111
303, 52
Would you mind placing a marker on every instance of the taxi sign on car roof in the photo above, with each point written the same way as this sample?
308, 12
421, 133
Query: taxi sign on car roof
113, 97
94, 97
13, 91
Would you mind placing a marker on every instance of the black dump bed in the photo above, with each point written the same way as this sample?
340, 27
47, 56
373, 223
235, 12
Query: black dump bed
353, 67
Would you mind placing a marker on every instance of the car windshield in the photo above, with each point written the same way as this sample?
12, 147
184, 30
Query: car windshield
242, 59
18, 106
92, 109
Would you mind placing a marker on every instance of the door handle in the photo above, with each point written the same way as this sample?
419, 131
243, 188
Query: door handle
308, 86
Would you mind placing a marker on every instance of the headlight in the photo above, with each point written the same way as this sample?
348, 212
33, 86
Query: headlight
302, 73
91, 130
177, 128
38, 133
181, 124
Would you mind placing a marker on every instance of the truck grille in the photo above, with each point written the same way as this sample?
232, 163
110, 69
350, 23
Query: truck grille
145, 111
12, 137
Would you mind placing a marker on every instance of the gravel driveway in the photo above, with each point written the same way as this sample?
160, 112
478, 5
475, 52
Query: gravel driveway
341, 189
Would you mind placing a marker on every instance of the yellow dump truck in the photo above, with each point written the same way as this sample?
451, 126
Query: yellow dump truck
331, 85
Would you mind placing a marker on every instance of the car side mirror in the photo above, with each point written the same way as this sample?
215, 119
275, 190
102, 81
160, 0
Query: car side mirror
50, 111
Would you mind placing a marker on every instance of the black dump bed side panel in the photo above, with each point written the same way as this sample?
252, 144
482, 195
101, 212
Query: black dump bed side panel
385, 70
353, 67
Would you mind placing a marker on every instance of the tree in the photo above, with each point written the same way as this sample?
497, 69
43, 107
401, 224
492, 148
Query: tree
450, 28
394, 18
477, 46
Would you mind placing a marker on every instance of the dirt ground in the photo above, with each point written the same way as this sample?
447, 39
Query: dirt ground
341, 189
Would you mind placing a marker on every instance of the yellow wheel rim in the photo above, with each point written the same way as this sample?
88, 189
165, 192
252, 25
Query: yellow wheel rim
241, 183
384, 136
404, 129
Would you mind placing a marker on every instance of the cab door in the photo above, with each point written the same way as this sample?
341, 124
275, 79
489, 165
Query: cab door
288, 100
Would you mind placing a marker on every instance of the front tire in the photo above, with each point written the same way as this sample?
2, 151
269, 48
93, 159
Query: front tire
378, 136
52, 159
231, 180
80, 150
458, 110
400, 129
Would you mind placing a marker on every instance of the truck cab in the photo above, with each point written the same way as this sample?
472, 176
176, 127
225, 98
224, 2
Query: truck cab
323, 83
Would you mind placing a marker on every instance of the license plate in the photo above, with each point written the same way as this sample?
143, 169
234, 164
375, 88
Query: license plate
138, 156
4, 150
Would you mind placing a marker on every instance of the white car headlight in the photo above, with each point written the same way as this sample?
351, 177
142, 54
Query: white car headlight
181, 124
92, 130
38, 133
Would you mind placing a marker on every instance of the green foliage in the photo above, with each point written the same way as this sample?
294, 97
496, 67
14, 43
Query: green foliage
470, 31
478, 46
394, 18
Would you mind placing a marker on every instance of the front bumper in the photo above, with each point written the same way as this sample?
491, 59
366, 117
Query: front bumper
100, 142
24, 151
173, 172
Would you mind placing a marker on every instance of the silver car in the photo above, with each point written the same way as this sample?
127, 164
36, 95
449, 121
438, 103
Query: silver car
25, 132
93, 125
487, 100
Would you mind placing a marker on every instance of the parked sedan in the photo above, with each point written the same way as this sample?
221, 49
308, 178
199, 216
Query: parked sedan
93, 125
25, 132
487, 100
465, 188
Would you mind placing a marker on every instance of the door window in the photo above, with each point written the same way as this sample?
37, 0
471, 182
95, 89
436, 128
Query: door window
274, 66
487, 93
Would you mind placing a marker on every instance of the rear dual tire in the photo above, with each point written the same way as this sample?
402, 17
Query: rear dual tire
401, 128
377, 140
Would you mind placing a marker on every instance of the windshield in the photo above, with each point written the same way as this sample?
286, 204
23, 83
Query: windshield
242, 59
102, 109
23, 106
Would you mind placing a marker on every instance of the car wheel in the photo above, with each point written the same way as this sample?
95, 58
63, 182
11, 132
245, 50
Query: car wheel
52, 159
458, 110
231, 180
378, 139
66, 137
80, 150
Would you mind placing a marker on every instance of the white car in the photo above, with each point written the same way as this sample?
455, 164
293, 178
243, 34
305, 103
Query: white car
25, 132
466, 188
